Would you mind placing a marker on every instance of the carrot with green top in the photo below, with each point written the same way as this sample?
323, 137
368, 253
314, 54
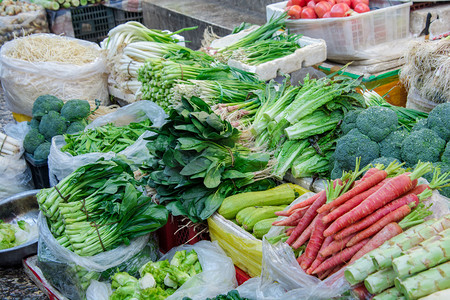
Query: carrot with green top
384, 211
391, 190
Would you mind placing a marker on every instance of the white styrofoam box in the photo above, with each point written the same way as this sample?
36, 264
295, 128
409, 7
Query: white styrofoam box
312, 51
351, 37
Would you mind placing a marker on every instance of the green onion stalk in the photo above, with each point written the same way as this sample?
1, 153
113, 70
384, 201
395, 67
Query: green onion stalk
99, 207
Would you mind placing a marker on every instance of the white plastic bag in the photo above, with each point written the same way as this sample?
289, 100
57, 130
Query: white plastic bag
61, 164
15, 176
218, 275
67, 271
24, 81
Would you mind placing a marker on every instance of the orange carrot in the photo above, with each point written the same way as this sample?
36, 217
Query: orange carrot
292, 220
342, 257
307, 218
314, 244
319, 259
300, 258
306, 234
378, 214
393, 216
361, 187
282, 213
289, 231
335, 246
391, 190
385, 234
366, 175
324, 274
306, 202
347, 206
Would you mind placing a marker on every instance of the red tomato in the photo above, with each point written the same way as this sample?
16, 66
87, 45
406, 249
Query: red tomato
311, 4
332, 2
348, 2
294, 12
308, 13
321, 8
326, 15
361, 8
339, 10
300, 3
354, 2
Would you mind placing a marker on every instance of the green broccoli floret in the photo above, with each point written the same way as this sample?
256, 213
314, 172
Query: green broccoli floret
45, 104
32, 140
438, 120
52, 124
423, 145
42, 151
384, 160
421, 124
349, 121
75, 127
445, 157
352, 145
391, 146
336, 172
75, 109
444, 168
377, 122
34, 123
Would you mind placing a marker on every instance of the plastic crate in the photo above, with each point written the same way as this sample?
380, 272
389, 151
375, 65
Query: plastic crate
355, 37
241, 276
177, 232
122, 16
92, 22
39, 171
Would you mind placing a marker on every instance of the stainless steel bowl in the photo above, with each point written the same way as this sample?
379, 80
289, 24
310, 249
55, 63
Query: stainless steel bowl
22, 206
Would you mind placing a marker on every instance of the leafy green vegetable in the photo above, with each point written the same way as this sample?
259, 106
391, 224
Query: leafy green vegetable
231, 295
105, 138
99, 207
197, 162
12, 235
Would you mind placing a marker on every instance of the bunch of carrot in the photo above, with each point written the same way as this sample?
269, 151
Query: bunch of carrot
350, 218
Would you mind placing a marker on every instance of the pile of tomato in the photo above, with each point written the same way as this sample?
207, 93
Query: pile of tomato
313, 9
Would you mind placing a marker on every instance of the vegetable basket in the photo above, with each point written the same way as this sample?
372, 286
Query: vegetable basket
355, 37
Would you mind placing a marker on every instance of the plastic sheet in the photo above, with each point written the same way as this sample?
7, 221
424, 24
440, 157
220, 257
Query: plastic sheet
24, 81
218, 275
244, 249
61, 164
22, 24
70, 273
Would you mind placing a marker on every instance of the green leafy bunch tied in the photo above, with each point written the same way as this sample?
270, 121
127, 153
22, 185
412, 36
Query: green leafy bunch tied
197, 162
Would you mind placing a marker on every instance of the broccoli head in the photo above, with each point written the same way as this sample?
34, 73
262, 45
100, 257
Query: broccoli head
391, 146
421, 124
423, 145
34, 123
377, 122
438, 120
45, 104
52, 124
42, 151
444, 167
75, 109
75, 127
336, 172
32, 140
349, 121
384, 160
445, 157
352, 145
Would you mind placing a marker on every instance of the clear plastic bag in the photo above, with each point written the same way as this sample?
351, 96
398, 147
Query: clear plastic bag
61, 164
70, 273
22, 24
218, 275
24, 81
15, 176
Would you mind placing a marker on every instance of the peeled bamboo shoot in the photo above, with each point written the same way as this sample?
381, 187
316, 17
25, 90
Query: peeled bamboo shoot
390, 294
425, 283
380, 281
